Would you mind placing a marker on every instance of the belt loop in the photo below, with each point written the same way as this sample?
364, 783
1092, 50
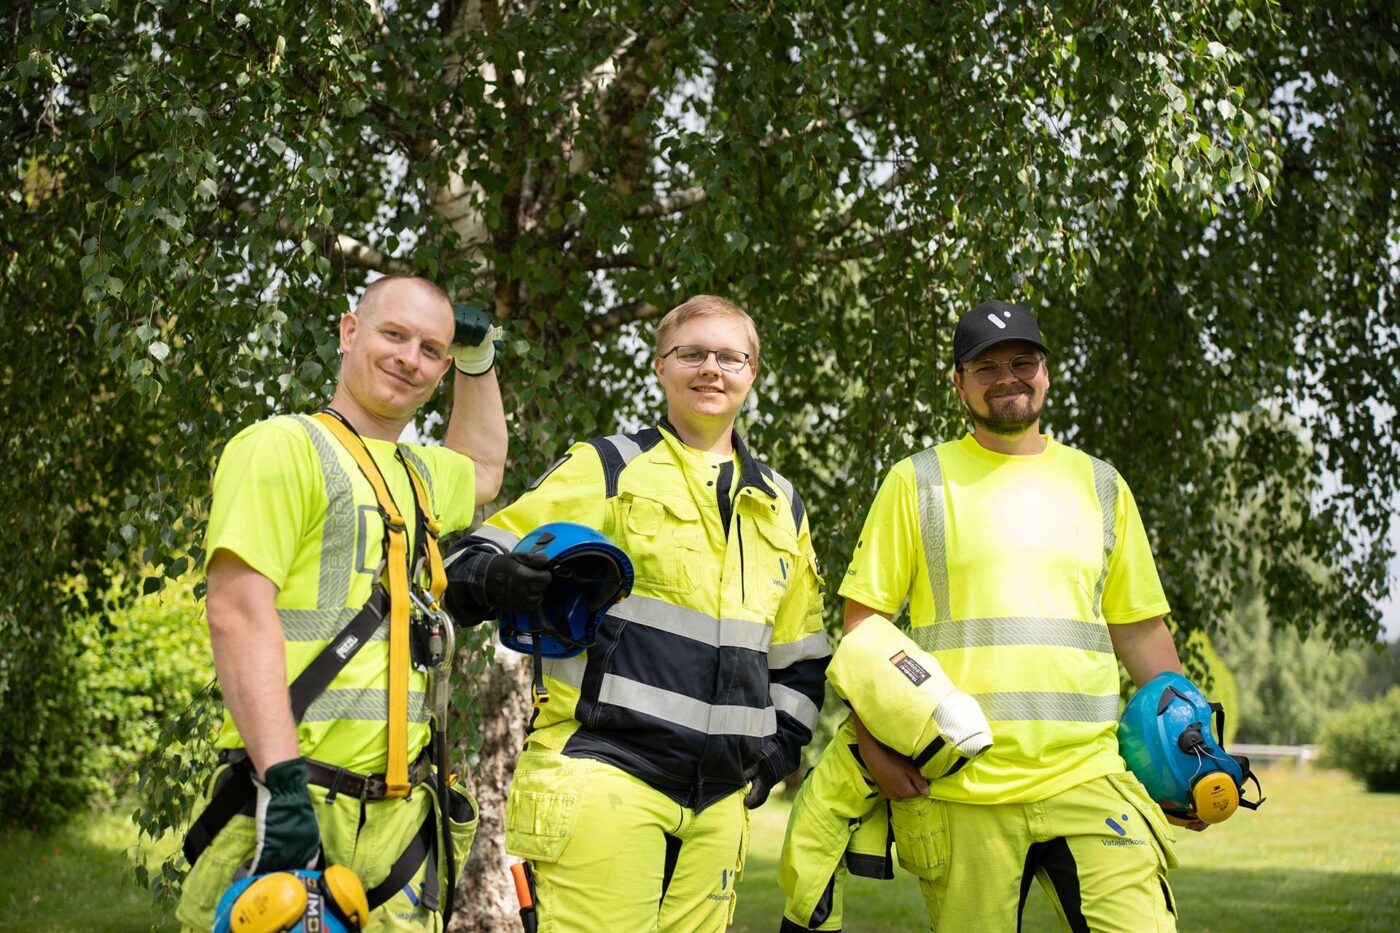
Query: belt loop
334, 787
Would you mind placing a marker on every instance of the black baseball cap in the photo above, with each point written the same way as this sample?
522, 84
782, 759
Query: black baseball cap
993, 322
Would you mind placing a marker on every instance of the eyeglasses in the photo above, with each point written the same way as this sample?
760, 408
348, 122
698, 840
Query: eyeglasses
693, 357
1022, 367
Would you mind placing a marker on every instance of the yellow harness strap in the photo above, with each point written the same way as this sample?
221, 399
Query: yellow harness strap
396, 774
437, 574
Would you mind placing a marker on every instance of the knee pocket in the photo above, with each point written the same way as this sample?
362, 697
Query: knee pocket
542, 806
921, 835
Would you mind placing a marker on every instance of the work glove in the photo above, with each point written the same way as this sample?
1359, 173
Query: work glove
287, 834
486, 580
476, 340
761, 783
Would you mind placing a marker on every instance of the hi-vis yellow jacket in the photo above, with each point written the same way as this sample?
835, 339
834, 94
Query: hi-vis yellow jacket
712, 670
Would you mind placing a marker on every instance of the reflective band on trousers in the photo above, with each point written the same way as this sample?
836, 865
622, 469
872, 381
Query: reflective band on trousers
693, 624
1013, 630
1048, 705
687, 711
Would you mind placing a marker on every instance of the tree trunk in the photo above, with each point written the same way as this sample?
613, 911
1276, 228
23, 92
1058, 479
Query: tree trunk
485, 894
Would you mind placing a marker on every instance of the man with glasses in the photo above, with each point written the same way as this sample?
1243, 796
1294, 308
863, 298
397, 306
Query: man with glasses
630, 800
1026, 570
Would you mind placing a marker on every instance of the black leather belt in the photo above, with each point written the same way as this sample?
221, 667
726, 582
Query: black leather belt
339, 780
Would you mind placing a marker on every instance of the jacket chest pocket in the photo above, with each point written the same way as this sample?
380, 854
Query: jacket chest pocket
770, 566
663, 541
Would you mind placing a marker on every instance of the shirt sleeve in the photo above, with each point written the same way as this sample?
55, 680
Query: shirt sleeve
265, 491
881, 571
1132, 591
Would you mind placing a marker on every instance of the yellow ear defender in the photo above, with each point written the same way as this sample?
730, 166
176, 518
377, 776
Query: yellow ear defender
1214, 797
343, 892
273, 903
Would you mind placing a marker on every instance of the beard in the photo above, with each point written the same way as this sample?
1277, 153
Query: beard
1007, 415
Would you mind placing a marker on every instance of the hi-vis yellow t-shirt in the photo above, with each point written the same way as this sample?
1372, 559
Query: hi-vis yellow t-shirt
1012, 568
293, 505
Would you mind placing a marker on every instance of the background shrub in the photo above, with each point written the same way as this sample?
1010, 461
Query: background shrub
1365, 740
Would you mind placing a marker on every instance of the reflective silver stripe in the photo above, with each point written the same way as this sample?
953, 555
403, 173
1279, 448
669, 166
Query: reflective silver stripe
1106, 485
626, 448
567, 670
693, 624
795, 705
338, 533
1013, 630
498, 536
423, 473
1048, 705
782, 483
688, 711
928, 479
321, 624
363, 703
810, 648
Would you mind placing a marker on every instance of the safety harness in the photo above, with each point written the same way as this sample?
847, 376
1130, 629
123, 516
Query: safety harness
234, 792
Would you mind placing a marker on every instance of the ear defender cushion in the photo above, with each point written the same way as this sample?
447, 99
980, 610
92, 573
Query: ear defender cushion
900, 692
273, 903
343, 892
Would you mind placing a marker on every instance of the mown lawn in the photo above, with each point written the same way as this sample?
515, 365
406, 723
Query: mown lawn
1321, 855
78, 878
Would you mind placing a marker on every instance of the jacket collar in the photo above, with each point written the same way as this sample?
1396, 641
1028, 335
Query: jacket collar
750, 473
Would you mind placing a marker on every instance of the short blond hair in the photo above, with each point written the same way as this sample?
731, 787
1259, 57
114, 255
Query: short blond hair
704, 306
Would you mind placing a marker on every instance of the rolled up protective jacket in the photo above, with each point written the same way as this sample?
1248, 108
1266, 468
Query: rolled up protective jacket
900, 692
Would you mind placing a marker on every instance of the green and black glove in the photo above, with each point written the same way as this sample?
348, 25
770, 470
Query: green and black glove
288, 837
476, 341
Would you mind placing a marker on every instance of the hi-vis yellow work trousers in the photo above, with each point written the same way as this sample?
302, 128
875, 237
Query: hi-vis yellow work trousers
610, 852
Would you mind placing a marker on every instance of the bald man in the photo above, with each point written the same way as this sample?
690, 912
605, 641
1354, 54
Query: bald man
320, 646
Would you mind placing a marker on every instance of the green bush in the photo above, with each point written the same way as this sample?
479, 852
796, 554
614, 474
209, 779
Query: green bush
147, 656
87, 716
1365, 740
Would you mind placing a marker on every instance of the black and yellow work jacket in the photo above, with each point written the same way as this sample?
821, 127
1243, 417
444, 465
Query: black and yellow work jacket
712, 670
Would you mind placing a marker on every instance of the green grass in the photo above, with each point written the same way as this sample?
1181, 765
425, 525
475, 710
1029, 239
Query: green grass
78, 878
1322, 854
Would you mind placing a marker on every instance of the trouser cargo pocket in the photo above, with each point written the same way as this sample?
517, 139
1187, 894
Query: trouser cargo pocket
542, 806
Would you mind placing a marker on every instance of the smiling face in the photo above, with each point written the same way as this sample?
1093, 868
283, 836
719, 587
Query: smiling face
706, 395
1008, 405
395, 350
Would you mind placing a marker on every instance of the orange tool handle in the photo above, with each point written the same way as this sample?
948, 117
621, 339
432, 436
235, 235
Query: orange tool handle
522, 886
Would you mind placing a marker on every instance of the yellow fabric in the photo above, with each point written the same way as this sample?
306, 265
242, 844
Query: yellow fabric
397, 556
365, 837
1024, 538
675, 558
271, 508
596, 840
970, 858
838, 810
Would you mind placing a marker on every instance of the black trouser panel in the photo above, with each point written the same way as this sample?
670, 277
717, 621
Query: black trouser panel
1057, 861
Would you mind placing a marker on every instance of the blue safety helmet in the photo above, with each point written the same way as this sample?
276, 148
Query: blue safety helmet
330, 901
590, 573
1166, 738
